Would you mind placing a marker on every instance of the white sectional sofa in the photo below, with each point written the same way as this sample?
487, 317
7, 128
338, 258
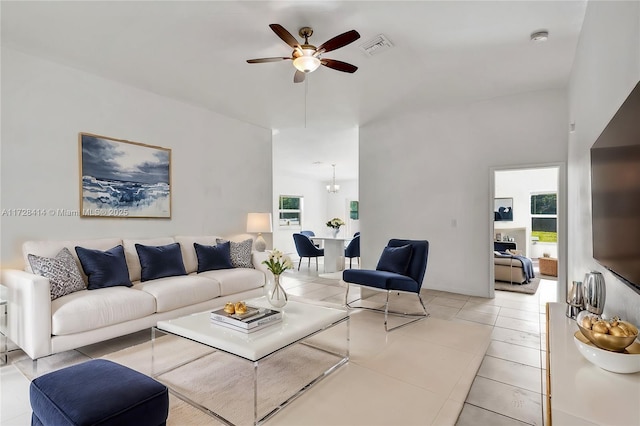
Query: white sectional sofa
41, 326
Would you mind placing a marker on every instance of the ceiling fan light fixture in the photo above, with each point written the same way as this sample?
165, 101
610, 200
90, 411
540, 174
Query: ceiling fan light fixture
306, 62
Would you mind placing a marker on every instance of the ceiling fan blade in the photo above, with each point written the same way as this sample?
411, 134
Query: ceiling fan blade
285, 35
338, 65
338, 41
298, 77
261, 60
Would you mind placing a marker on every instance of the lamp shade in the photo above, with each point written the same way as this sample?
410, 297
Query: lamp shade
259, 222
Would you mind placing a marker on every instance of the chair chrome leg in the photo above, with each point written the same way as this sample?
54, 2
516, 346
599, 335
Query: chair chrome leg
417, 317
316, 262
346, 297
299, 263
386, 311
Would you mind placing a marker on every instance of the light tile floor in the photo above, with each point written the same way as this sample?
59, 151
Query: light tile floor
508, 388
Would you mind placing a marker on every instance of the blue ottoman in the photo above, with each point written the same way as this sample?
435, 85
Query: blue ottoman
98, 392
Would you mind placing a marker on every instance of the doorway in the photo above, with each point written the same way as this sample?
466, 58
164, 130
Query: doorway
528, 214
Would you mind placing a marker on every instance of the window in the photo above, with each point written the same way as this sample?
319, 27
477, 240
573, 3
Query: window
544, 217
290, 210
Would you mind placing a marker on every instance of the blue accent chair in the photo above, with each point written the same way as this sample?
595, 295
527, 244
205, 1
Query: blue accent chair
353, 250
98, 392
305, 248
401, 268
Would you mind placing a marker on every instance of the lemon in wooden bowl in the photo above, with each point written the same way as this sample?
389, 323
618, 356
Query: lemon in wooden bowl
610, 334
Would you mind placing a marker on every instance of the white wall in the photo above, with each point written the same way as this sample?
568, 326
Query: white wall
301, 166
520, 185
221, 168
338, 206
426, 176
606, 68
319, 207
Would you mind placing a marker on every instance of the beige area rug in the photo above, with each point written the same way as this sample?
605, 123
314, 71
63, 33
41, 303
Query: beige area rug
222, 382
530, 288
427, 368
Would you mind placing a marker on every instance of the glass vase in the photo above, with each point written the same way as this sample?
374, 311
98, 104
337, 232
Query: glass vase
275, 293
335, 231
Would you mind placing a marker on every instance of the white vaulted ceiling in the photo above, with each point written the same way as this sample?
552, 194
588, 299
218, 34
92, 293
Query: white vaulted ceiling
445, 52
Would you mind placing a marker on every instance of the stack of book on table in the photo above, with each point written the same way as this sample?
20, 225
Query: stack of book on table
253, 320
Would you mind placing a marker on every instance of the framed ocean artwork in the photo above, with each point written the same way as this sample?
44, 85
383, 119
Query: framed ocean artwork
124, 179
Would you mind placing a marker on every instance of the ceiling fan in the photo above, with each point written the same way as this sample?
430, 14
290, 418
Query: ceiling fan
306, 57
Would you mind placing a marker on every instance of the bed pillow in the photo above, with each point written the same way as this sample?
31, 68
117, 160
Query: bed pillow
395, 259
240, 253
62, 271
160, 261
211, 258
104, 268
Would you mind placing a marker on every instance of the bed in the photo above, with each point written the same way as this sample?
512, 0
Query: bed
509, 265
509, 269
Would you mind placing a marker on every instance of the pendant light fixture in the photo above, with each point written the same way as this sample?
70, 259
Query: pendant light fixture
333, 188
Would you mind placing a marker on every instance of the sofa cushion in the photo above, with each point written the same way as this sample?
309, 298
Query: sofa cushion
188, 253
175, 292
88, 310
49, 248
160, 261
395, 259
383, 280
62, 271
104, 268
240, 253
131, 254
215, 257
236, 280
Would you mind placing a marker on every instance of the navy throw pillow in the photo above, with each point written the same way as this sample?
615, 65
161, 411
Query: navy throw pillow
160, 261
104, 268
395, 259
215, 257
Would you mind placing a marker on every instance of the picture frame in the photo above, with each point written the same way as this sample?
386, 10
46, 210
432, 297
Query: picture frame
123, 179
503, 209
354, 210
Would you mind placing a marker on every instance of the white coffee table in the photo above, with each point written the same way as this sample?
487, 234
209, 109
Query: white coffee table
302, 323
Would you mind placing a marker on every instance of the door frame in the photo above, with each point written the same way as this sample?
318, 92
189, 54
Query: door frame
561, 288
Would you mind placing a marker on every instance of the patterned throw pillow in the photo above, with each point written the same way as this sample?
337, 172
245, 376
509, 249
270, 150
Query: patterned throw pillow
62, 271
240, 253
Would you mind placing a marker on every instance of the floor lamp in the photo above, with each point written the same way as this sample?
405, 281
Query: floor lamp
259, 223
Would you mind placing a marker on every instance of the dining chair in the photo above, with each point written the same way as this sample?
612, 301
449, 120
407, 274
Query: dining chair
305, 248
310, 234
353, 250
401, 268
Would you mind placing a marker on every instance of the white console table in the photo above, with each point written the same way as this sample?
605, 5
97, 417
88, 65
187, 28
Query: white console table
578, 392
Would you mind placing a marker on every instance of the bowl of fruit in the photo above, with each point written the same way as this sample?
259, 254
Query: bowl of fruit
611, 334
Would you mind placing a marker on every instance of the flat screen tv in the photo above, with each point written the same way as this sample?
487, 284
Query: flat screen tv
615, 193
